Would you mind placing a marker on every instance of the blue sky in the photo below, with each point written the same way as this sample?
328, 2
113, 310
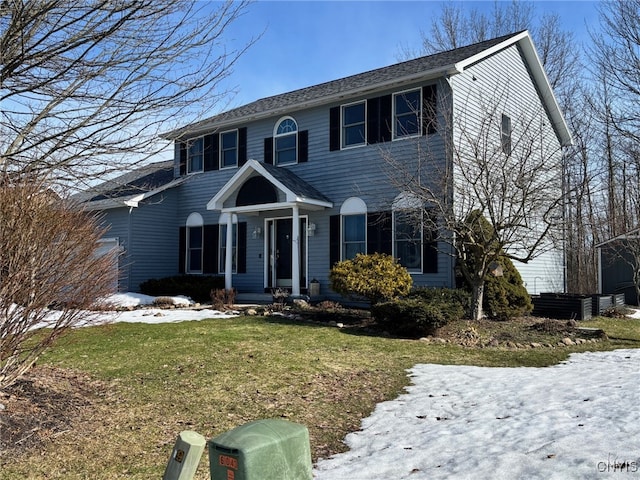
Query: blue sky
309, 42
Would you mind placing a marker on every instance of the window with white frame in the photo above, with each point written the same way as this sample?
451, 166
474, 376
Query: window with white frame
406, 113
505, 134
195, 155
222, 256
407, 225
407, 231
354, 228
285, 142
195, 232
354, 124
353, 213
229, 149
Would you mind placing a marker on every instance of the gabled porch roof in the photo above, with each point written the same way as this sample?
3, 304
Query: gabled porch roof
294, 190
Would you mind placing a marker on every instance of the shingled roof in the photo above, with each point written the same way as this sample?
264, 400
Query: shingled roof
131, 187
422, 67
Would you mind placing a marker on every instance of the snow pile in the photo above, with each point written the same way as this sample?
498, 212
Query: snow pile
578, 419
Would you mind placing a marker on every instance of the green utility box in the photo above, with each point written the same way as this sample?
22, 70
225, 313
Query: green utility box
269, 449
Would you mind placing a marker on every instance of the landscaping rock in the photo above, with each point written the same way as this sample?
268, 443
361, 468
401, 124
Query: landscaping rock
567, 341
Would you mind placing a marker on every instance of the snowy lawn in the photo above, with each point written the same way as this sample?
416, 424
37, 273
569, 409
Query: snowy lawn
579, 419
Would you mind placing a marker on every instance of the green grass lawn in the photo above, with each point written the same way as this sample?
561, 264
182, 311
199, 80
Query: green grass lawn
154, 381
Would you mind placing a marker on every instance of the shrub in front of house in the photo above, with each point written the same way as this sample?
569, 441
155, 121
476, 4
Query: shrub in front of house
454, 302
505, 296
196, 287
375, 277
409, 317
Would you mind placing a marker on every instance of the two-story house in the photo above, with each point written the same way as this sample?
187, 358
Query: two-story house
273, 193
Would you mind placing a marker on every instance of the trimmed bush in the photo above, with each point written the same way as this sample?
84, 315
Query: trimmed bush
197, 287
409, 317
455, 302
505, 296
376, 277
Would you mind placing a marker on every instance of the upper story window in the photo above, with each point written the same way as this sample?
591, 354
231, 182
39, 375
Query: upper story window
407, 113
354, 125
195, 155
505, 134
285, 142
229, 149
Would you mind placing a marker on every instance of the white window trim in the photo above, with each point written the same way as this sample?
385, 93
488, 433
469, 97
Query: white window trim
221, 149
408, 201
189, 143
395, 135
342, 126
276, 135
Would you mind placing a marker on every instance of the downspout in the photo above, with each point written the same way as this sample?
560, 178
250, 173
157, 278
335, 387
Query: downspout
129, 246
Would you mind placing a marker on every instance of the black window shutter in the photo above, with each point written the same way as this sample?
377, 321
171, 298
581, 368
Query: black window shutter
386, 121
268, 150
211, 143
242, 146
379, 119
182, 249
334, 239
429, 102
430, 245
183, 158
334, 129
379, 233
210, 249
303, 146
373, 120
242, 247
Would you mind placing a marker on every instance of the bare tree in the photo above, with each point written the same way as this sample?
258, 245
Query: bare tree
50, 272
86, 87
514, 182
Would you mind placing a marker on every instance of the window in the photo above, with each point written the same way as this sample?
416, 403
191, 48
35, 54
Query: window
223, 248
505, 134
354, 229
407, 112
353, 125
195, 161
286, 142
195, 233
229, 149
407, 224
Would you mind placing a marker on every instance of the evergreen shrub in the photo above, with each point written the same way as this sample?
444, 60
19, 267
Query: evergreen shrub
375, 277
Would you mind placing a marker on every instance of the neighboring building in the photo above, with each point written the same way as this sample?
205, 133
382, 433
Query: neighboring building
272, 193
619, 266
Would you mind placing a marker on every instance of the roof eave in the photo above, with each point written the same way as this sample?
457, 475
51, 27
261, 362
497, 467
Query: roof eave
208, 126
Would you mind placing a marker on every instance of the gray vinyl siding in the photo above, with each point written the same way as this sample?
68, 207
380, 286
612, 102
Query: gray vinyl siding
148, 237
153, 242
505, 74
355, 172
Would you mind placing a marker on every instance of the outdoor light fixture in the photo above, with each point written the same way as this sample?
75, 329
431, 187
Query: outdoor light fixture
311, 229
257, 232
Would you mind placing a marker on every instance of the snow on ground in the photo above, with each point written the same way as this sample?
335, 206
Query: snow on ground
578, 419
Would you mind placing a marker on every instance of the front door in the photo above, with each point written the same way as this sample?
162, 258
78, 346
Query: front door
281, 247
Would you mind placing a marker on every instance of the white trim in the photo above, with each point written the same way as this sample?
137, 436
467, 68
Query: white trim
394, 133
221, 151
189, 142
267, 253
342, 125
194, 220
277, 135
353, 206
242, 175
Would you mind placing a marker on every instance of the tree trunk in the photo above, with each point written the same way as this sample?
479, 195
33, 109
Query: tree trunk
476, 301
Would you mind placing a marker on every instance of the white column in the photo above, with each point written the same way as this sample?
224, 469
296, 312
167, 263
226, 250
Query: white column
295, 253
228, 254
